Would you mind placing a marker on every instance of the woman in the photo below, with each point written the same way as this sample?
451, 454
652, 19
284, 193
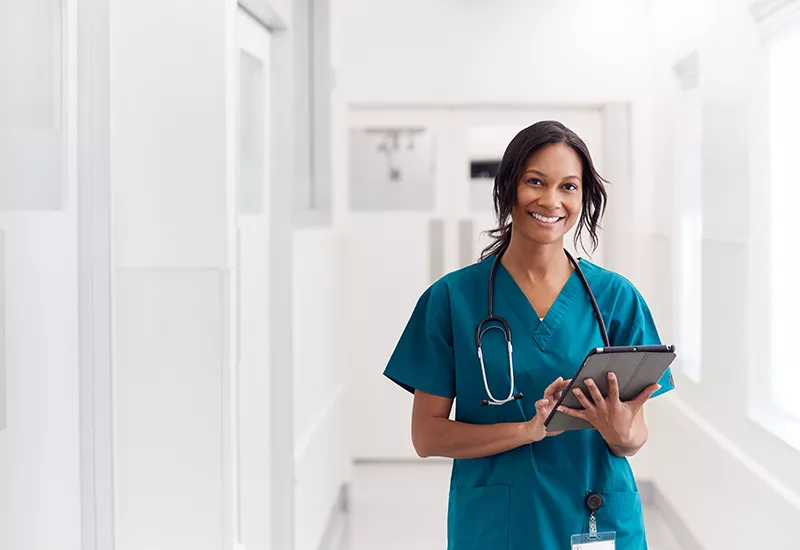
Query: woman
513, 484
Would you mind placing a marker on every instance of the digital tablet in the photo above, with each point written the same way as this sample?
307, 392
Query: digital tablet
635, 367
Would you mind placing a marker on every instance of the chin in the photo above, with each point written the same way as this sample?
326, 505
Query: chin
543, 238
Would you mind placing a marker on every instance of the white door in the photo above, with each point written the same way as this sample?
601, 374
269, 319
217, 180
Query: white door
405, 235
252, 138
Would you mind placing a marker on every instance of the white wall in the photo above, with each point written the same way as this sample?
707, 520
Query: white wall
40, 503
322, 430
39, 449
516, 51
737, 467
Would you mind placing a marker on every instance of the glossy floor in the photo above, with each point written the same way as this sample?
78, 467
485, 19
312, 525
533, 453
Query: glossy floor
404, 506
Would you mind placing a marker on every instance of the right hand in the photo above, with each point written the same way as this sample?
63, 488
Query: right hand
535, 426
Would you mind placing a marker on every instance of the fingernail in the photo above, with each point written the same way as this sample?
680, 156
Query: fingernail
658, 387
576, 391
611, 376
561, 409
589, 381
545, 401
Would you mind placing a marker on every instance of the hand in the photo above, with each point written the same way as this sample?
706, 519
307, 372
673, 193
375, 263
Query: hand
610, 416
535, 426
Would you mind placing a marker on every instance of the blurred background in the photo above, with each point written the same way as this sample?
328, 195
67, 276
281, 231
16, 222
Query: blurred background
216, 218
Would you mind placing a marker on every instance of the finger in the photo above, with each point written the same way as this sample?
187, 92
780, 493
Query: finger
541, 407
564, 385
639, 401
573, 412
582, 399
597, 397
551, 389
613, 387
551, 434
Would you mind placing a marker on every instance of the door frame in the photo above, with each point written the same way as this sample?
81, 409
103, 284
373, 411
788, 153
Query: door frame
91, 30
279, 202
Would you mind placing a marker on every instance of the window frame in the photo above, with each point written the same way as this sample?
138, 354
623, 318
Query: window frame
774, 19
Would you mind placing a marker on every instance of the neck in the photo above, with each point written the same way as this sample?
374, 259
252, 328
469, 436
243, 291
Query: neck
535, 261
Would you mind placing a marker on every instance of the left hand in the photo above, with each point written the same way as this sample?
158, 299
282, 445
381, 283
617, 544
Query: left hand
610, 416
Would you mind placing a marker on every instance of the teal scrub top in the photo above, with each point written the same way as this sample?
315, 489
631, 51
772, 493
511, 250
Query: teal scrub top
531, 497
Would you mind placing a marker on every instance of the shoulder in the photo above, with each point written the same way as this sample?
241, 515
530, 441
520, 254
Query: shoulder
613, 290
472, 280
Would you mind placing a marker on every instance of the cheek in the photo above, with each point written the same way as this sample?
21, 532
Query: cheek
525, 195
574, 211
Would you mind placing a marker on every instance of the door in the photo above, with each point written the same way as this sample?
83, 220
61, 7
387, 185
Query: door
252, 281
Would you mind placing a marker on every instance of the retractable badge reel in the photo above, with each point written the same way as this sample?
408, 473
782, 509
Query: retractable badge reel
594, 540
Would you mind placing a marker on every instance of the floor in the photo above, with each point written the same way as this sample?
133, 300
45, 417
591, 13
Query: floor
404, 506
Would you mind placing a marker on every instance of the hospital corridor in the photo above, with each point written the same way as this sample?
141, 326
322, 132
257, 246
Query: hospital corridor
381, 274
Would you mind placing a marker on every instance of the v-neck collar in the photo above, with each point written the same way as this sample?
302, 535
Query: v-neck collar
540, 330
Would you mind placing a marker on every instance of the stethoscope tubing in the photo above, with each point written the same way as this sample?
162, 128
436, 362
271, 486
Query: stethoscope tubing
506, 329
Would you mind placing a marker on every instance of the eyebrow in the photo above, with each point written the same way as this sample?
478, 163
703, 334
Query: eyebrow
542, 174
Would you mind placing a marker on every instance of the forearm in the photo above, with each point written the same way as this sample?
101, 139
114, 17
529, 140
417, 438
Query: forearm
445, 438
638, 437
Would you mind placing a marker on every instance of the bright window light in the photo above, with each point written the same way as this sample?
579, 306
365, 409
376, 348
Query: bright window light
784, 191
688, 229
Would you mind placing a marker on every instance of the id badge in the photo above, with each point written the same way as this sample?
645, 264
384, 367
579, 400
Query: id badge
601, 541
594, 540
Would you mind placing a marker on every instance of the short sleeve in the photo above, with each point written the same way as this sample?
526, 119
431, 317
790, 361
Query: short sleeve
423, 358
643, 332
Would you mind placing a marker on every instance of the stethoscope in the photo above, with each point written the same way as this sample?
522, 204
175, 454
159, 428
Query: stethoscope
503, 326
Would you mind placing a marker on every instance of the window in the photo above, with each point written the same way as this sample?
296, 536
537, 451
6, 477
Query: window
31, 100
687, 178
313, 88
784, 196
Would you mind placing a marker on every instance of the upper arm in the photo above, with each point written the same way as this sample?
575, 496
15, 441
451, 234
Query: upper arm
423, 358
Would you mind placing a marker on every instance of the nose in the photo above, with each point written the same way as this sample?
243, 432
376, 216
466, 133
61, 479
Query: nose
550, 199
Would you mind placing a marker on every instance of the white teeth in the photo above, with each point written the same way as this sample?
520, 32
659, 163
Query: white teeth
543, 219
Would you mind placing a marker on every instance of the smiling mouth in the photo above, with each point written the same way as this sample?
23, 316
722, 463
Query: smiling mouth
545, 219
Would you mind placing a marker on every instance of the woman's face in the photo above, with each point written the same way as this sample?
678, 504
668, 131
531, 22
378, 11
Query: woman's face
549, 195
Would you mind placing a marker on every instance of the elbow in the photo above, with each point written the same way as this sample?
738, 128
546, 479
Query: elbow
420, 446
421, 442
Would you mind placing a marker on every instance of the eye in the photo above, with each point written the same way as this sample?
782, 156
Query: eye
534, 181
570, 187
